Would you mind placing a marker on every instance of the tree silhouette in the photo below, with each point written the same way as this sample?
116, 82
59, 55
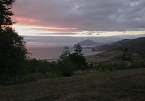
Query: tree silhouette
12, 50
77, 49
78, 58
72, 61
5, 13
65, 54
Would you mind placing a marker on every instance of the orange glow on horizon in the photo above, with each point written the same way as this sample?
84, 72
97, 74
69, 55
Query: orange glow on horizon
33, 27
27, 26
32, 30
26, 21
24, 29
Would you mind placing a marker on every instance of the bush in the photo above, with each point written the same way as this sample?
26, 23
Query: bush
12, 50
12, 55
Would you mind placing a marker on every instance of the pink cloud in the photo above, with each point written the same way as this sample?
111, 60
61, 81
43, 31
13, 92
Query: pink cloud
26, 21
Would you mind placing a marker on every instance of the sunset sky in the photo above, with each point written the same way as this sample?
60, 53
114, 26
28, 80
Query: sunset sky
79, 17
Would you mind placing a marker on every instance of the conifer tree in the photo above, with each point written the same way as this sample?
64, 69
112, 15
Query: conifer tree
12, 50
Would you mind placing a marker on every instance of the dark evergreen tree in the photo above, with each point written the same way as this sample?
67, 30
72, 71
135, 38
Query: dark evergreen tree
72, 61
78, 49
5, 13
77, 57
65, 54
12, 50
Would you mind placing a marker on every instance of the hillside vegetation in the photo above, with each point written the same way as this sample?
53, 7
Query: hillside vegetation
135, 45
124, 85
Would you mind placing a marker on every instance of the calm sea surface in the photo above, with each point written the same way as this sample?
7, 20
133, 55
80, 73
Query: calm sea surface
52, 47
51, 52
45, 52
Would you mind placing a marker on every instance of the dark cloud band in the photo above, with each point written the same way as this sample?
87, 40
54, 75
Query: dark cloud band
90, 15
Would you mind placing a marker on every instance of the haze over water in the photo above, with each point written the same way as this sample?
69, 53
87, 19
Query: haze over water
51, 47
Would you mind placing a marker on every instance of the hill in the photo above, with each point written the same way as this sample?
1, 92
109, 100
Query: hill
135, 45
128, 51
124, 85
131, 42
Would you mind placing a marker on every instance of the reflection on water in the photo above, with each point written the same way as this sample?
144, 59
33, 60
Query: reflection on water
51, 47
45, 52
51, 51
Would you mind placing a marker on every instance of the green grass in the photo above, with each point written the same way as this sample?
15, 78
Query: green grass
122, 85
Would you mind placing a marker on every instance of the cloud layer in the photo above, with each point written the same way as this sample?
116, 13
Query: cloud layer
83, 15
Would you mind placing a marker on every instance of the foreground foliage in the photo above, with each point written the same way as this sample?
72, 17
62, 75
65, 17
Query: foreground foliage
123, 85
12, 50
65, 66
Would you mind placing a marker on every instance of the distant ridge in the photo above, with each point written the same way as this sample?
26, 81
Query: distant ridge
136, 45
138, 42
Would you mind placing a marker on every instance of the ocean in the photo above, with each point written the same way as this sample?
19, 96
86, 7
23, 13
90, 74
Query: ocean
48, 47
52, 52
45, 52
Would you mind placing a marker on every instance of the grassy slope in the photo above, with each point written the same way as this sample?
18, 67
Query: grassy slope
124, 85
134, 45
